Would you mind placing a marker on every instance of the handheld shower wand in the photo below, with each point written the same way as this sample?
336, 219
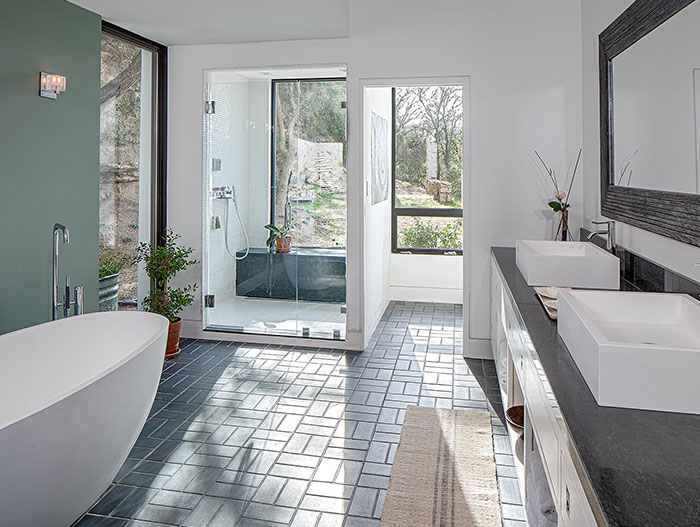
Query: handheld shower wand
229, 194
245, 232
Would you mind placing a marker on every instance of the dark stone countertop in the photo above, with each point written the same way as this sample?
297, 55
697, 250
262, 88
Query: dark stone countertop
643, 465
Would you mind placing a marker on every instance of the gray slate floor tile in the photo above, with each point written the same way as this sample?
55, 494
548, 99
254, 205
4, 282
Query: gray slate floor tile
261, 435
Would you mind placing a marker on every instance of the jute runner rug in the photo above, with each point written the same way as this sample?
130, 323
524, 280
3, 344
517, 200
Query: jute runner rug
444, 472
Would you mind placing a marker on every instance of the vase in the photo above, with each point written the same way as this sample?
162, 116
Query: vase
563, 229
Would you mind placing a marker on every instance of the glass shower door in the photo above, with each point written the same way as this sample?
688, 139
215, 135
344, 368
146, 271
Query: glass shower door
226, 233
317, 199
274, 205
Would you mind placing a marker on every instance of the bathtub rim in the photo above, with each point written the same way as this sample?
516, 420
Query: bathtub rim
103, 373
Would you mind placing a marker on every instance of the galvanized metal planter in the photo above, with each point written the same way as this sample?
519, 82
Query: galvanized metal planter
108, 292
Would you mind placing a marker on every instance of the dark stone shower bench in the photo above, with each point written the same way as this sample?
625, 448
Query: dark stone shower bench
316, 274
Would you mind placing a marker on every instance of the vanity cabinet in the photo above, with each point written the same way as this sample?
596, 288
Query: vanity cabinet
523, 381
574, 509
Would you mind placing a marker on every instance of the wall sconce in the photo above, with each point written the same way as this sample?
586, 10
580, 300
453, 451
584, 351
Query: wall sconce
51, 85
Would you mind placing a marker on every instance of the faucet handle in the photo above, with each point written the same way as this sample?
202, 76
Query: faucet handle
66, 298
79, 297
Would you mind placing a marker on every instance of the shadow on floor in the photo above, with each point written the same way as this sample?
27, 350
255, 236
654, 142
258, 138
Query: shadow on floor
485, 374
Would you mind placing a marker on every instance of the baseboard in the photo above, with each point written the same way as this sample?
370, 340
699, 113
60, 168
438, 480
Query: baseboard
374, 322
478, 349
426, 294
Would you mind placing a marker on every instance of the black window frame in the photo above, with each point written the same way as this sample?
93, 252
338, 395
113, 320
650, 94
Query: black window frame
273, 97
414, 212
159, 126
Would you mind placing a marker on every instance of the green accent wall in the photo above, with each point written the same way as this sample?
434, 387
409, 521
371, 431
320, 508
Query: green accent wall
49, 155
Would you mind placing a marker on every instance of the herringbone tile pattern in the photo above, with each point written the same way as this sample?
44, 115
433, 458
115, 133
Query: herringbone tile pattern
254, 435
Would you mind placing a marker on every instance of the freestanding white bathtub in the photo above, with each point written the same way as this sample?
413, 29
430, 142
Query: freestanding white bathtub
74, 395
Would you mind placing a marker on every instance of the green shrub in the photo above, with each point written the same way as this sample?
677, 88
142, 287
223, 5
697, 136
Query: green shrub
162, 262
111, 262
426, 235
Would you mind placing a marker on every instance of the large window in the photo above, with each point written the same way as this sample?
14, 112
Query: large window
132, 160
309, 178
427, 170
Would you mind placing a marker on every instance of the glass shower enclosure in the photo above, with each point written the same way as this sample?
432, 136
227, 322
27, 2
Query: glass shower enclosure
275, 214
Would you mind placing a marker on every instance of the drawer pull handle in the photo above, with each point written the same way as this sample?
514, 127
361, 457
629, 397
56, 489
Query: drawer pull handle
568, 502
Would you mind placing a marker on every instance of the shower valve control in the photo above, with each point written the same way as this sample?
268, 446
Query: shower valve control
222, 192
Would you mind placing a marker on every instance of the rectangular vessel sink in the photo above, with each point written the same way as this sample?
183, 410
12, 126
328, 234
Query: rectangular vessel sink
635, 350
567, 264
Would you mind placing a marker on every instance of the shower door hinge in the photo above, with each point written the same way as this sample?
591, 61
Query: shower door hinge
208, 300
209, 107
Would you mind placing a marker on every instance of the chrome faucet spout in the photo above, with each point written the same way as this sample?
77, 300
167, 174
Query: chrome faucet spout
610, 243
64, 230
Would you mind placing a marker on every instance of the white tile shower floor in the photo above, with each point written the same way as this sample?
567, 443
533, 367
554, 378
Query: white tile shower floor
271, 316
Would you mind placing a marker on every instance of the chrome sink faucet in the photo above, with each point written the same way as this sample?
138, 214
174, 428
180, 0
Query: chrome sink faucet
79, 291
610, 243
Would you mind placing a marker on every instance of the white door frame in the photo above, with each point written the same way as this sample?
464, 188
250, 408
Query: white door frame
467, 194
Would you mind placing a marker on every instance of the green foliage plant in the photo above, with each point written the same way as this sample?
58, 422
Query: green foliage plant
426, 235
111, 262
161, 263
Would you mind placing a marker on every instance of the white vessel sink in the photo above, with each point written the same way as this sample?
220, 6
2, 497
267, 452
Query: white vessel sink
635, 350
567, 264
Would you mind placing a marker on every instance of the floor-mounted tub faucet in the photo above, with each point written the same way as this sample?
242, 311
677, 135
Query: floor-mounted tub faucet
610, 243
79, 292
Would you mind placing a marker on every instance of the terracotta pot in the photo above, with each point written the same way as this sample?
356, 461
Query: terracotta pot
172, 348
283, 245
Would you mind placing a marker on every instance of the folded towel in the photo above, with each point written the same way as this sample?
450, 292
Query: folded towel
539, 503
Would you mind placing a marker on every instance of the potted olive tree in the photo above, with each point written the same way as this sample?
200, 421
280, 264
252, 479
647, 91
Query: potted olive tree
111, 264
162, 262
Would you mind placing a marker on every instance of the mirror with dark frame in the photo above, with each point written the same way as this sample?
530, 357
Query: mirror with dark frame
650, 118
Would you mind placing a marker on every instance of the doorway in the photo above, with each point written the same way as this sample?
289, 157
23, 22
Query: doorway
275, 186
415, 222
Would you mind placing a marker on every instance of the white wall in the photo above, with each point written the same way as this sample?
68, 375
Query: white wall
228, 141
679, 257
426, 278
259, 161
377, 218
524, 62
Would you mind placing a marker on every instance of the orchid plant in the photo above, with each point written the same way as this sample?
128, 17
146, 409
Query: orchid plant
561, 202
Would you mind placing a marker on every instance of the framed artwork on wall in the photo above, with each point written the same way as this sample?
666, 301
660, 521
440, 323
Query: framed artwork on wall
381, 161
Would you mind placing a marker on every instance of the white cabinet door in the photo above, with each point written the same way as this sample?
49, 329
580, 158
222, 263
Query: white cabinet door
574, 510
544, 425
498, 334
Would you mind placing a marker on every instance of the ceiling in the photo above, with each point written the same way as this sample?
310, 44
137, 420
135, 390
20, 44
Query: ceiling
302, 71
176, 22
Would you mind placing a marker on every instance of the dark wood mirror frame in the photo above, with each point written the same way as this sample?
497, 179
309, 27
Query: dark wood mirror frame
672, 214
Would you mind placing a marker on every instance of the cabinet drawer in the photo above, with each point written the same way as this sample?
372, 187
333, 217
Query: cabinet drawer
544, 425
574, 509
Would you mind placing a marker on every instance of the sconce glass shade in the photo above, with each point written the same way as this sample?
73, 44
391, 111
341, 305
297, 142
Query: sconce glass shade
51, 85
